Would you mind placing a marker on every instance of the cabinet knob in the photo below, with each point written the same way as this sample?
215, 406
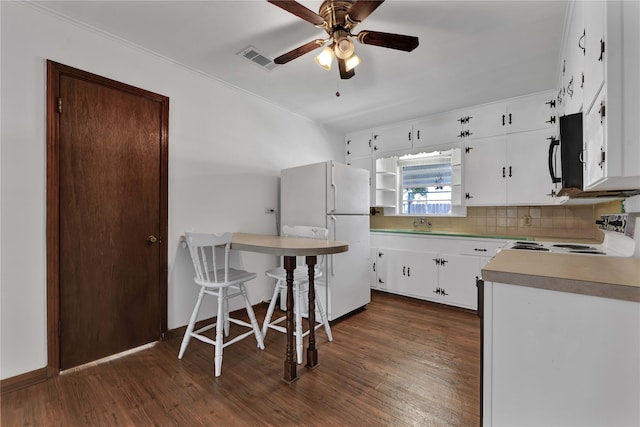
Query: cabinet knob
552, 103
552, 119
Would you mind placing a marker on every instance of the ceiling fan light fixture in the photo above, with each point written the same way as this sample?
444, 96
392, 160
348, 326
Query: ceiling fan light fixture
351, 62
325, 58
344, 48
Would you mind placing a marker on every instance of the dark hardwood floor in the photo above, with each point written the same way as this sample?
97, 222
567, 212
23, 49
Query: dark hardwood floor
399, 362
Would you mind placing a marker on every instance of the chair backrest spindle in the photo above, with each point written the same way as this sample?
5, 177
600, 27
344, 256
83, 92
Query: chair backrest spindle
202, 248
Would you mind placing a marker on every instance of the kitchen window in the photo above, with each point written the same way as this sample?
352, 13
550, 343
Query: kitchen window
420, 184
425, 185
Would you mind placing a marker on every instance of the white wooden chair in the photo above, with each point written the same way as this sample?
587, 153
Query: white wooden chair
215, 277
300, 287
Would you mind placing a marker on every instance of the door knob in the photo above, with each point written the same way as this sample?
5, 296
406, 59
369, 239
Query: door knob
152, 239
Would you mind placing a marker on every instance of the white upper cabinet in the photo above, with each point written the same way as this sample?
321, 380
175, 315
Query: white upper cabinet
485, 166
486, 120
529, 181
594, 46
438, 129
612, 77
573, 60
358, 144
509, 170
534, 112
392, 138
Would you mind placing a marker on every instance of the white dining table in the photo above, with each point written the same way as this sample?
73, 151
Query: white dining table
290, 248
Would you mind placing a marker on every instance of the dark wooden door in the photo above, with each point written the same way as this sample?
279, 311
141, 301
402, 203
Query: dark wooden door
112, 217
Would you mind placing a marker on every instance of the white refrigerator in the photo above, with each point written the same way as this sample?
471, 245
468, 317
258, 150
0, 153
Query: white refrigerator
334, 196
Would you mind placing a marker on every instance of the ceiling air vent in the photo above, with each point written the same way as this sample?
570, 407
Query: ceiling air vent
253, 55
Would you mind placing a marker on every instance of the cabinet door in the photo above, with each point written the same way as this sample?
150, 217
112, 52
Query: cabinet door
485, 172
594, 154
410, 273
528, 180
358, 145
531, 113
486, 121
594, 16
392, 138
381, 259
457, 278
438, 129
574, 60
373, 265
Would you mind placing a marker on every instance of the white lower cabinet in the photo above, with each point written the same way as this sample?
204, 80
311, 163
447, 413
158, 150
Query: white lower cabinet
438, 269
407, 272
456, 280
559, 359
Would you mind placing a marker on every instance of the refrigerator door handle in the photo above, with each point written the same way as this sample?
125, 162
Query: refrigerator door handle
335, 233
333, 185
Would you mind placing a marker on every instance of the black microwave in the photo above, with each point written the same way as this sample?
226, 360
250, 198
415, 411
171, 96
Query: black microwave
571, 143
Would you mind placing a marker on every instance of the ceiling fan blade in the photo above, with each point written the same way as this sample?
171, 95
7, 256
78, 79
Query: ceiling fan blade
344, 74
363, 8
392, 41
299, 51
299, 10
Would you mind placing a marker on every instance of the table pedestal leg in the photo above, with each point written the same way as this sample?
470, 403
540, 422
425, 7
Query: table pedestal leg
312, 351
289, 363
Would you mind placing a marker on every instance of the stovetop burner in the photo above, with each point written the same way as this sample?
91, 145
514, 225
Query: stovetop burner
591, 252
528, 247
574, 247
565, 248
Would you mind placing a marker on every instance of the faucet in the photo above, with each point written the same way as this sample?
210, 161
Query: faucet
421, 222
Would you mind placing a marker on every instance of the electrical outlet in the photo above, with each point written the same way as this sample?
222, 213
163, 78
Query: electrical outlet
527, 221
269, 210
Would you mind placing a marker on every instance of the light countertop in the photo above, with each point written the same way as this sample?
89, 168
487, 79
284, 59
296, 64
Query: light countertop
608, 277
424, 232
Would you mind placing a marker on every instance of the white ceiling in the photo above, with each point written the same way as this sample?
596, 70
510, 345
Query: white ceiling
470, 52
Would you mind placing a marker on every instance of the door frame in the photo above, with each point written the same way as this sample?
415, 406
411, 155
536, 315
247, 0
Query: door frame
54, 72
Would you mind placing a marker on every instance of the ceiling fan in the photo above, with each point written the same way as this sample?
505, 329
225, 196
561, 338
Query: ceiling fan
338, 18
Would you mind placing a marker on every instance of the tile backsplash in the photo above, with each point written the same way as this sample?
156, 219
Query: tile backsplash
576, 221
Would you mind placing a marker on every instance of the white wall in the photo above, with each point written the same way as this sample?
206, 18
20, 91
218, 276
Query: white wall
226, 149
